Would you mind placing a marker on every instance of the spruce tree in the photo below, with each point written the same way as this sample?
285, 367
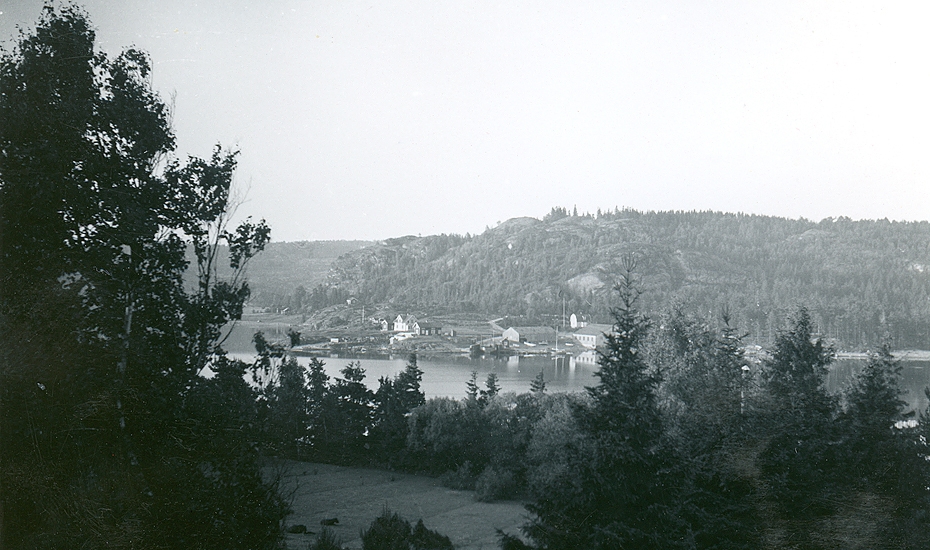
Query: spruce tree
471, 389
621, 499
801, 459
321, 406
883, 466
354, 411
538, 385
492, 388
394, 401
873, 407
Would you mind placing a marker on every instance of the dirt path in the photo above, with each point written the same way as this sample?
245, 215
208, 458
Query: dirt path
357, 496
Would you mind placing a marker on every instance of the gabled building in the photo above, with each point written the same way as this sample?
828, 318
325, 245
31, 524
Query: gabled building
404, 324
592, 336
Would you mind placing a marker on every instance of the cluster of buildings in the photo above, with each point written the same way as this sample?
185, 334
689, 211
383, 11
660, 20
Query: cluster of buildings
589, 336
409, 324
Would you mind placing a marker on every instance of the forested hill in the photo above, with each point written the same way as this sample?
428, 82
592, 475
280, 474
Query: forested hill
285, 270
858, 278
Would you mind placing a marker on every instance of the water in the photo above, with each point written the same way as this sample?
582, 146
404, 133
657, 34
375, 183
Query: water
446, 376
915, 376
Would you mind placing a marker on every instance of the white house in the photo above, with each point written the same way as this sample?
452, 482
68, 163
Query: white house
404, 324
592, 336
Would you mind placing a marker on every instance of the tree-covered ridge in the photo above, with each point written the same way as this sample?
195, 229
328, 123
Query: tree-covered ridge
284, 267
859, 279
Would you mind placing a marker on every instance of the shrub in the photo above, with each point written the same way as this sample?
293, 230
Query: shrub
461, 478
389, 531
495, 484
426, 539
326, 540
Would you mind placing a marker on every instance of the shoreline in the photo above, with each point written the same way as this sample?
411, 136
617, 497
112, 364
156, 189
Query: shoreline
900, 355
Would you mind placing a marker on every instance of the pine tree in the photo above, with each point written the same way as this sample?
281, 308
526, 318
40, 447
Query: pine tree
321, 406
800, 461
492, 388
622, 498
354, 408
471, 389
882, 456
394, 401
538, 385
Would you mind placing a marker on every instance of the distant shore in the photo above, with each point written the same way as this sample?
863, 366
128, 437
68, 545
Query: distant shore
902, 355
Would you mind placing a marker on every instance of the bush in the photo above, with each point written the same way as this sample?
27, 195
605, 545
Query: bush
389, 531
425, 539
495, 484
461, 479
326, 540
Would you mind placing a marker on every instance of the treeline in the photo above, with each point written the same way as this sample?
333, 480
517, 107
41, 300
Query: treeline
682, 443
859, 279
285, 272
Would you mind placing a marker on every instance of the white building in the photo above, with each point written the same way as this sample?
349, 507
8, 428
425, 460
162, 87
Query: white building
404, 324
592, 336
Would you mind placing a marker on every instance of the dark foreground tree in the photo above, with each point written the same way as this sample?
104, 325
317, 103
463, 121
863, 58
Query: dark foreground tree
885, 473
110, 435
703, 393
801, 459
354, 411
394, 401
621, 497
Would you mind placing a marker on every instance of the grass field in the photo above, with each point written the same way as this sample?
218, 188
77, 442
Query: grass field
357, 496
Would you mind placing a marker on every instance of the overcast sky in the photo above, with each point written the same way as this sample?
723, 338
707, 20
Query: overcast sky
380, 119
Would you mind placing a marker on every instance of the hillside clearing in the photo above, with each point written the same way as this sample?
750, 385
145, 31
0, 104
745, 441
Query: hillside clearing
358, 495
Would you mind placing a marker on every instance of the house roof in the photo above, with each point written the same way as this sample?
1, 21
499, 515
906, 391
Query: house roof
429, 324
594, 329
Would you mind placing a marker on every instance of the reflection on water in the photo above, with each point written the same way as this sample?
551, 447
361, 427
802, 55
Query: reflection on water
915, 377
447, 376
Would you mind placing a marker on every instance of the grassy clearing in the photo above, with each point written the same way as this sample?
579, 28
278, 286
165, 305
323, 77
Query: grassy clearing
358, 495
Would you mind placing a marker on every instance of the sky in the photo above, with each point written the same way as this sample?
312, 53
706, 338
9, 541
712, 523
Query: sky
371, 120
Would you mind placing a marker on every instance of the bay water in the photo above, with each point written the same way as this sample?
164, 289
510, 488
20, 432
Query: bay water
447, 376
